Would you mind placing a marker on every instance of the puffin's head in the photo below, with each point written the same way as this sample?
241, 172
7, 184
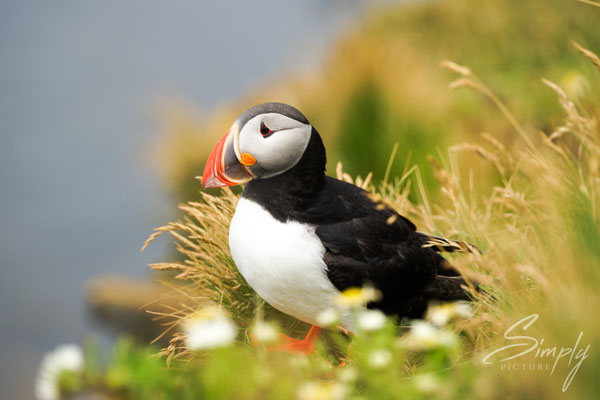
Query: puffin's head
264, 141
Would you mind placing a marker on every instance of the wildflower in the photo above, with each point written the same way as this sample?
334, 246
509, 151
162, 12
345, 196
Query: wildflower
356, 297
447, 339
425, 336
371, 320
328, 318
441, 314
265, 332
322, 391
423, 332
64, 360
379, 358
207, 329
426, 383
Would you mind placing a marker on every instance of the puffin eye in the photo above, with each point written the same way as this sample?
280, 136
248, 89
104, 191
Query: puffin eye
264, 130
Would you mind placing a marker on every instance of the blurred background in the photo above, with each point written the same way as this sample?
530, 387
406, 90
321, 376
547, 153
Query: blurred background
109, 109
81, 85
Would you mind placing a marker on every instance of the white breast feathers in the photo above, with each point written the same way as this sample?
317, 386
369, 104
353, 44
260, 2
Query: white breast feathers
282, 261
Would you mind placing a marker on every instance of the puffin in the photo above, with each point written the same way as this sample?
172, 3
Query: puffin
300, 237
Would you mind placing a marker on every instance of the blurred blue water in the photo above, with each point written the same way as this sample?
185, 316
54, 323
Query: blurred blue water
78, 83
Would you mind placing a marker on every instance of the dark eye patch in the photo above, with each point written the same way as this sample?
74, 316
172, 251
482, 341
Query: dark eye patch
265, 131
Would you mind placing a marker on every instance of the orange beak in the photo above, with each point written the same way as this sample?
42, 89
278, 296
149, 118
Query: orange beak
223, 167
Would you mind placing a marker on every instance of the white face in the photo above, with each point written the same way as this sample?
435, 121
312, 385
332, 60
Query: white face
278, 147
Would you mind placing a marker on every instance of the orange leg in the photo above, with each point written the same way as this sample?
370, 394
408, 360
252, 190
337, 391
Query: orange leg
304, 346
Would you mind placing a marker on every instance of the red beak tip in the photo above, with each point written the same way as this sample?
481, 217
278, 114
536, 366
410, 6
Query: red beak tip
211, 182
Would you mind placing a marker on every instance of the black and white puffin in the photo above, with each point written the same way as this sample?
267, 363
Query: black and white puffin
300, 237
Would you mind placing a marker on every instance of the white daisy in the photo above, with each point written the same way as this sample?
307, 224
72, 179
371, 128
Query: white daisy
328, 318
207, 329
265, 332
425, 336
427, 383
441, 314
379, 358
371, 320
64, 359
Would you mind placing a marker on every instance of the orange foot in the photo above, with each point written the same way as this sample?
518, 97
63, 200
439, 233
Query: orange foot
294, 346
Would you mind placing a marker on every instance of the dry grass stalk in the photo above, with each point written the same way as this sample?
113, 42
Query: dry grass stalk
591, 3
201, 237
592, 56
471, 80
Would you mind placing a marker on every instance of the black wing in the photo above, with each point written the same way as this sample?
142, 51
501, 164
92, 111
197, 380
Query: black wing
368, 242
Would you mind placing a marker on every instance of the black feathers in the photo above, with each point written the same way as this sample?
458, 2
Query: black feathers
280, 108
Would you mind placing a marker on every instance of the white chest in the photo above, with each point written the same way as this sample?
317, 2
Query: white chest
283, 262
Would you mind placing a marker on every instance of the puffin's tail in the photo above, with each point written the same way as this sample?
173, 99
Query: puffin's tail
439, 243
448, 285
448, 288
